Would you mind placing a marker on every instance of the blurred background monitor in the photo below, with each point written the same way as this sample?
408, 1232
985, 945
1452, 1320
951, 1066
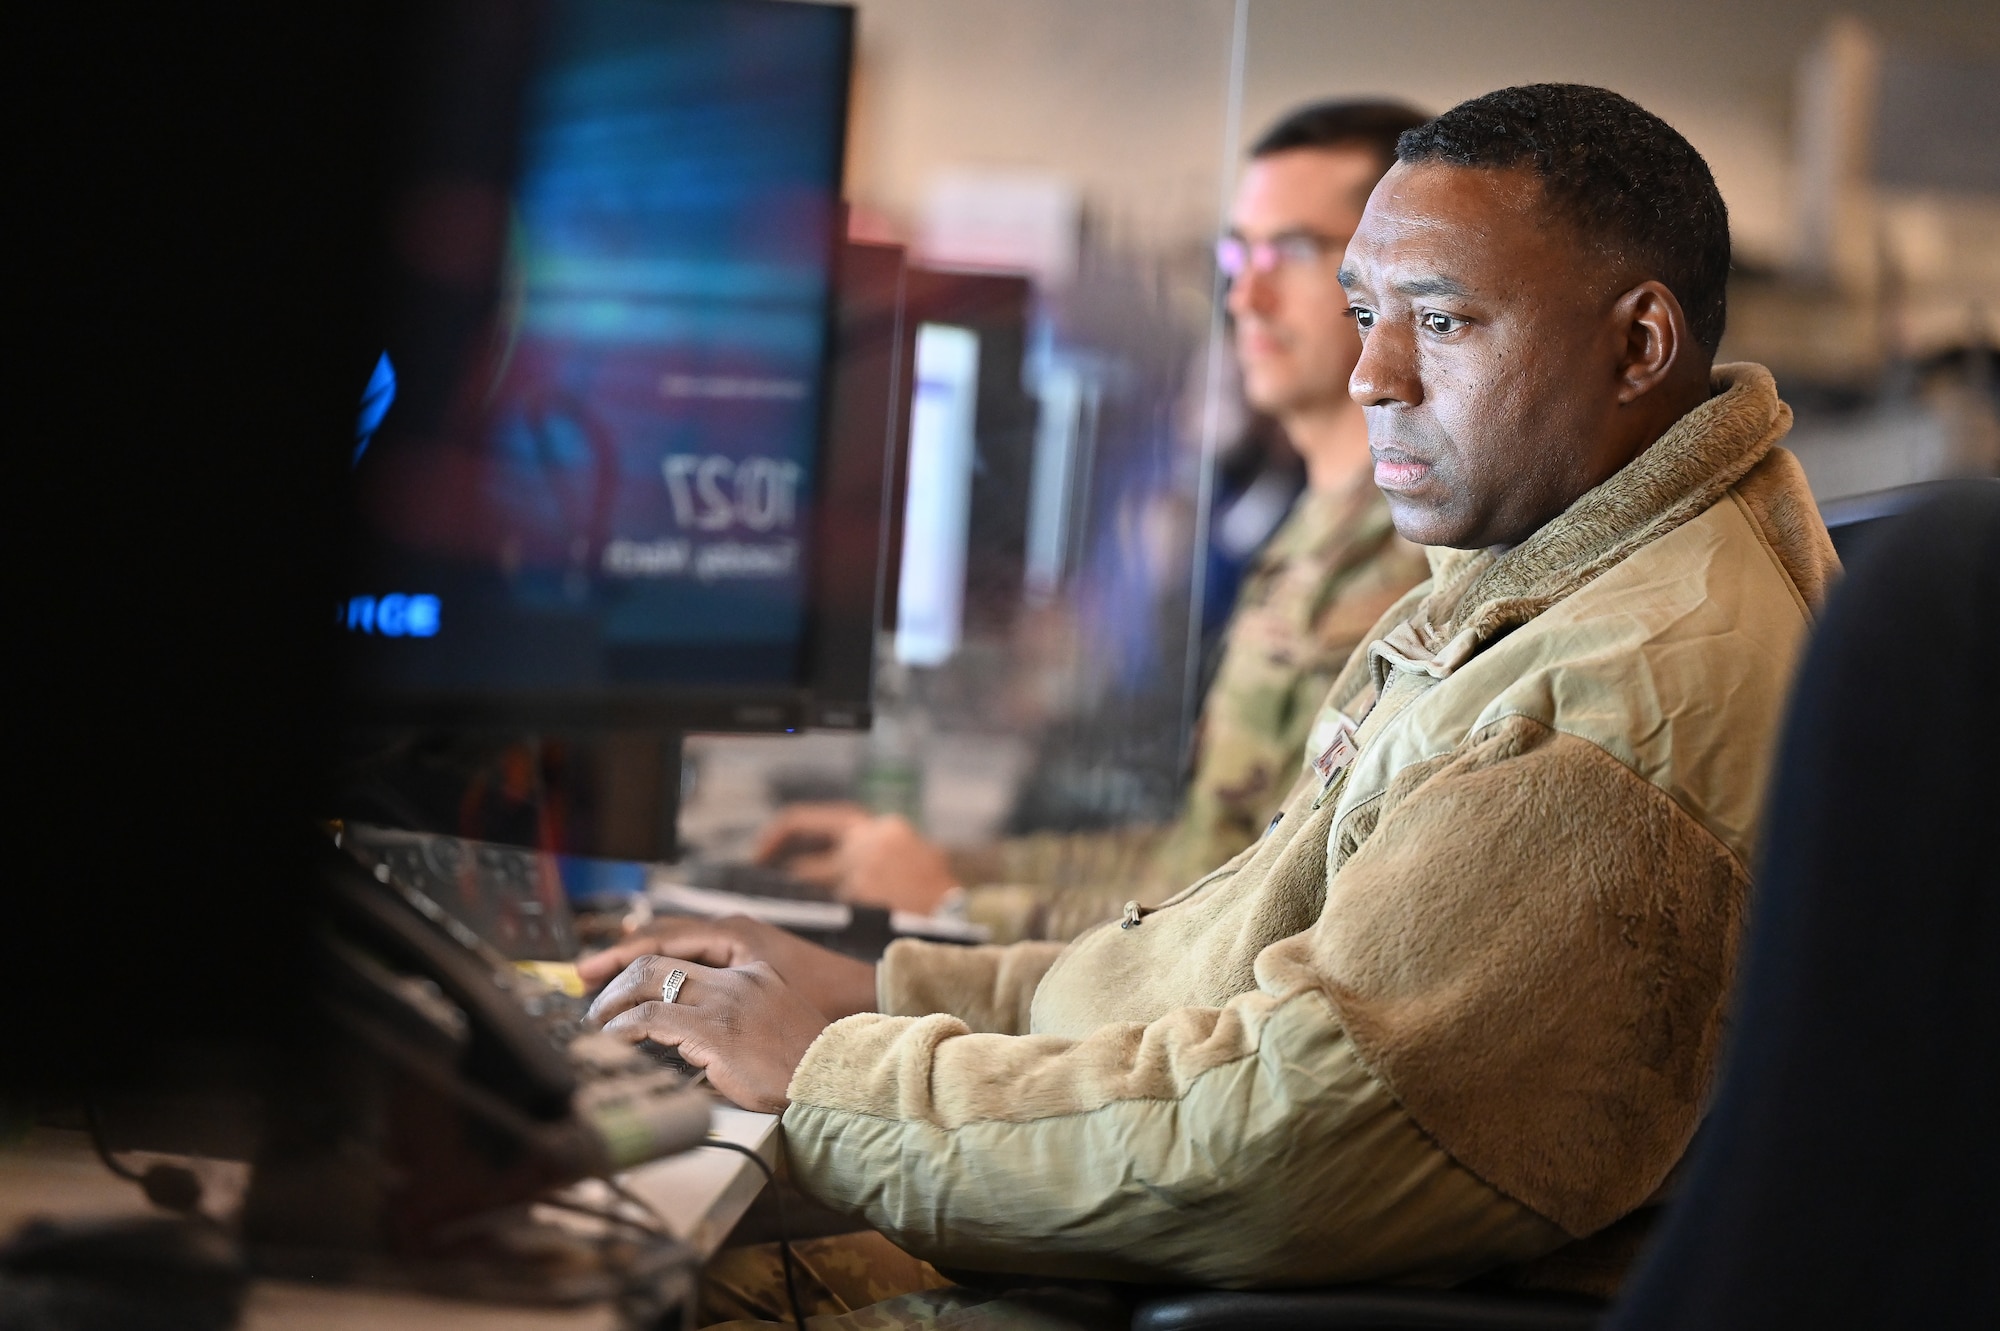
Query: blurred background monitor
930, 596
590, 463
859, 557
972, 432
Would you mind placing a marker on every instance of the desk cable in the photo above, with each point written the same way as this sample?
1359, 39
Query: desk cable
170, 1187
784, 1237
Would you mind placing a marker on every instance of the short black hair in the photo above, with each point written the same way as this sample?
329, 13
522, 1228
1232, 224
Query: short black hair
1623, 176
1374, 125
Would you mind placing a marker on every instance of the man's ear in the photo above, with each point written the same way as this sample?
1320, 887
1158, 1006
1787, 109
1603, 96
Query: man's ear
1657, 342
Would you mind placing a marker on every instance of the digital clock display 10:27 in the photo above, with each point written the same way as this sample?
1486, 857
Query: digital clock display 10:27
715, 493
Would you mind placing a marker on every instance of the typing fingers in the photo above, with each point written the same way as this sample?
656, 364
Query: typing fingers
710, 942
668, 1024
640, 984
598, 967
822, 868
798, 828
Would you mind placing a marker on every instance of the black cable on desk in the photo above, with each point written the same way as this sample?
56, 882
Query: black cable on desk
111, 1162
633, 1199
784, 1238
608, 1217
169, 1187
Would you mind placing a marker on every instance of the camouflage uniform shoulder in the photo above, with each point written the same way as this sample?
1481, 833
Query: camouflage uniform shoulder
1319, 585
1311, 596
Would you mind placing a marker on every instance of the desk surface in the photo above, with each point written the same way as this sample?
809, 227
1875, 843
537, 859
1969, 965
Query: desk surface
701, 1194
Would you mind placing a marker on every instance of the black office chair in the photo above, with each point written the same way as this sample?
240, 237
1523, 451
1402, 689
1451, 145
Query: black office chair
1363, 1308
1850, 1172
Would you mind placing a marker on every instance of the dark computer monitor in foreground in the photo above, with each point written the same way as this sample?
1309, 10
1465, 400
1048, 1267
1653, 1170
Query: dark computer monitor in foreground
593, 498
586, 487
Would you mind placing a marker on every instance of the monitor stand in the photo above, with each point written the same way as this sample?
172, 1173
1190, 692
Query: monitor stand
638, 778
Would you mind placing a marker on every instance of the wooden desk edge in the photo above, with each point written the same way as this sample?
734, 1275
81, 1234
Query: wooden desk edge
703, 1193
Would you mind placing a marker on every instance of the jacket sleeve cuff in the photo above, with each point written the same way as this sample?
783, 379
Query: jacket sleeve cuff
988, 988
856, 1062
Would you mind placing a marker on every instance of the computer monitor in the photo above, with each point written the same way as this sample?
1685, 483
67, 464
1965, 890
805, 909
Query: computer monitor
588, 479
860, 532
965, 492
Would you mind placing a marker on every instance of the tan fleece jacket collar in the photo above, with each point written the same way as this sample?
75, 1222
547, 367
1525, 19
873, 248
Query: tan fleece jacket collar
1479, 597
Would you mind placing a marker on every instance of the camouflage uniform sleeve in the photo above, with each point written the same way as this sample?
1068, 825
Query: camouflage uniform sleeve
1055, 885
1314, 592
1321, 583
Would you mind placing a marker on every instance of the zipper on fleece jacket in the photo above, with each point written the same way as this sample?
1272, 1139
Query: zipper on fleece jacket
1334, 765
1134, 913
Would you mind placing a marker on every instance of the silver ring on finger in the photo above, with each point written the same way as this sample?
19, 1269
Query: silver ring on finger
670, 990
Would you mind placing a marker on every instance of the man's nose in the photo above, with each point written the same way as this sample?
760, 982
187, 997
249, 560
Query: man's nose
1386, 375
1251, 292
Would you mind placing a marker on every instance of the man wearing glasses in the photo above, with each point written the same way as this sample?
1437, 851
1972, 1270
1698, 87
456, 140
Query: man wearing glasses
1320, 580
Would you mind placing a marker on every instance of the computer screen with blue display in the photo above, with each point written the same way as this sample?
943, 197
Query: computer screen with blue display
587, 460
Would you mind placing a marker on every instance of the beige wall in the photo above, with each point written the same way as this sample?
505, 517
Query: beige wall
1127, 97
1718, 70
1123, 97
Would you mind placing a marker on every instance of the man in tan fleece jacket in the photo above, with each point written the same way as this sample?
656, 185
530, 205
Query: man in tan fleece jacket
1459, 1009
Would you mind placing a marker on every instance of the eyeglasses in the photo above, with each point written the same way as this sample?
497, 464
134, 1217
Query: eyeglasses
1294, 249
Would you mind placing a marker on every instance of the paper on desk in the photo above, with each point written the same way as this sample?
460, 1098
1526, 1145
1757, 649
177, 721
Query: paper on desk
810, 916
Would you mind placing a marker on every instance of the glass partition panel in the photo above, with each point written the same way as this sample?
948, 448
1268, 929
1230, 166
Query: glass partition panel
1056, 171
